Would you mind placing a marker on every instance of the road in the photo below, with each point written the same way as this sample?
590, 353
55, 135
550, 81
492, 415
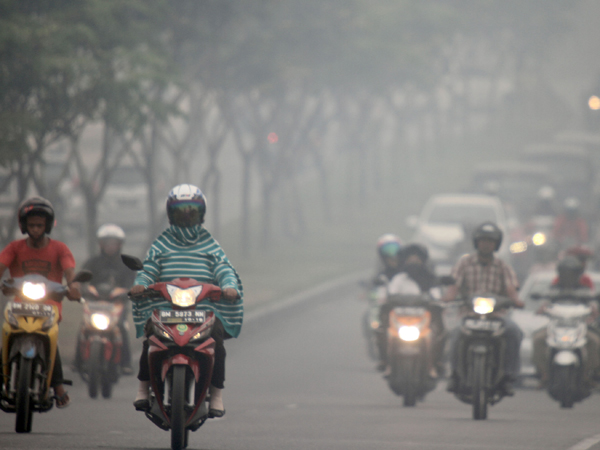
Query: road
299, 378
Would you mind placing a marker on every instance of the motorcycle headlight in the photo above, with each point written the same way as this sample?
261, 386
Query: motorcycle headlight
34, 291
100, 321
484, 305
49, 322
201, 335
538, 239
409, 333
184, 297
165, 335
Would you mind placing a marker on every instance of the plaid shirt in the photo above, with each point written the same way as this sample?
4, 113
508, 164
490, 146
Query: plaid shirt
474, 278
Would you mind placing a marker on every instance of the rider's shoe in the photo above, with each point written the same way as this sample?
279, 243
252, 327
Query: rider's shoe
216, 408
142, 403
508, 387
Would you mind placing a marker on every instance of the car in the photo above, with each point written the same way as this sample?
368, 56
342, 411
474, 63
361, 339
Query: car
527, 318
446, 221
517, 182
570, 166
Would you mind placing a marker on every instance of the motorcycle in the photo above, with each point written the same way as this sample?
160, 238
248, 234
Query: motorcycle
481, 353
410, 355
566, 340
100, 340
181, 355
29, 343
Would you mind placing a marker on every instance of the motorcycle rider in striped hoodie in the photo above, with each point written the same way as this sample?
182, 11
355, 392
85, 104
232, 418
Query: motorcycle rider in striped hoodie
186, 249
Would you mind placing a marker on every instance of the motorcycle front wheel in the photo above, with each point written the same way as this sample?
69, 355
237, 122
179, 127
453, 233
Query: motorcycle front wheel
564, 377
480, 400
24, 408
178, 418
94, 368
410, 381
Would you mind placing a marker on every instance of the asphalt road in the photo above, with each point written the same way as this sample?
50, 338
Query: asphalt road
299, 378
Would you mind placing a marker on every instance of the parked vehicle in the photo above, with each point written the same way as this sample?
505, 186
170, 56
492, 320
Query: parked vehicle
29, 343
100, 340
481, 354
410, 355
181, 355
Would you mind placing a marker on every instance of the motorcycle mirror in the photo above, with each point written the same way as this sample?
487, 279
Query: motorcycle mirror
83, 276
132, 262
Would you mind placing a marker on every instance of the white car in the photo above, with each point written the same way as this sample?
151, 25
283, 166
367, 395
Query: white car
446, 221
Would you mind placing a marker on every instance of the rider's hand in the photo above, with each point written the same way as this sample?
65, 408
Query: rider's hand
74, 292
118, 291
137, 289
93, 290
519, 303
5, 289
230, 294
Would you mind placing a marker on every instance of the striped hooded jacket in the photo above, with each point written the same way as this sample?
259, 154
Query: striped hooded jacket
189, 252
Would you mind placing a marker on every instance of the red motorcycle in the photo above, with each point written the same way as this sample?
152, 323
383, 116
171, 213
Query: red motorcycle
181, 355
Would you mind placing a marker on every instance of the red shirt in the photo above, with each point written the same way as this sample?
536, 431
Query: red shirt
585, 281
50, 261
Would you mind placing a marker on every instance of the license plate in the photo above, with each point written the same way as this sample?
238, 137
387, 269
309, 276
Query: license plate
409, 311
182, 316
483, 325
31, 309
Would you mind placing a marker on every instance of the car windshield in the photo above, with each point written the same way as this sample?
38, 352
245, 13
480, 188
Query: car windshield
462, 214
126, 176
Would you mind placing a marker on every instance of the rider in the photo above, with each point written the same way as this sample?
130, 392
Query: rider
570, 277
186, 249
389, 247
41, 255
482, 273
107, 267
570, 227
416, 278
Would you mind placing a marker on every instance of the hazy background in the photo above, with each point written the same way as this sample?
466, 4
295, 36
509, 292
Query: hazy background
313, 127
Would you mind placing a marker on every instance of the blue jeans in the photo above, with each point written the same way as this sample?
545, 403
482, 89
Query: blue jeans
513, 337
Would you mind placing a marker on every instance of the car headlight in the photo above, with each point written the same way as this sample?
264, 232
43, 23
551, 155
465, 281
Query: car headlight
484, 305
100, 321
409, 333
538, 239
518, 247
34, 291
184, 297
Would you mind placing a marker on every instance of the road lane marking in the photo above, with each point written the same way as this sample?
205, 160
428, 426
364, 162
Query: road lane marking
586, 444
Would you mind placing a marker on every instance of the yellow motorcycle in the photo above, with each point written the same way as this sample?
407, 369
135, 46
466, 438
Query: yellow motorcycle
29, 342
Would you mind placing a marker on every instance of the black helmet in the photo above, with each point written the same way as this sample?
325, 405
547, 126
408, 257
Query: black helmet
416, 249
488, 230
36, 206
570, 264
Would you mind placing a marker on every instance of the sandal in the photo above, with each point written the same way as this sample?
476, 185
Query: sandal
62, 401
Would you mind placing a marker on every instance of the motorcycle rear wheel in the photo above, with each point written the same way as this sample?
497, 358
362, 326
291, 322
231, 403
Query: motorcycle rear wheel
178, 417
94, 369
480, 399
24, 408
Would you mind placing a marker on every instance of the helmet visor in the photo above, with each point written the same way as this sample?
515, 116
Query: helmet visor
185, 214
390, 250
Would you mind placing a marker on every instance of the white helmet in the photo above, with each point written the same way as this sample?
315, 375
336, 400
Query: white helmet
110, 230
186, 205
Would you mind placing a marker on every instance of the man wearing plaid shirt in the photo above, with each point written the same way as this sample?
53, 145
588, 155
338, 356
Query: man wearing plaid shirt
482, 273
